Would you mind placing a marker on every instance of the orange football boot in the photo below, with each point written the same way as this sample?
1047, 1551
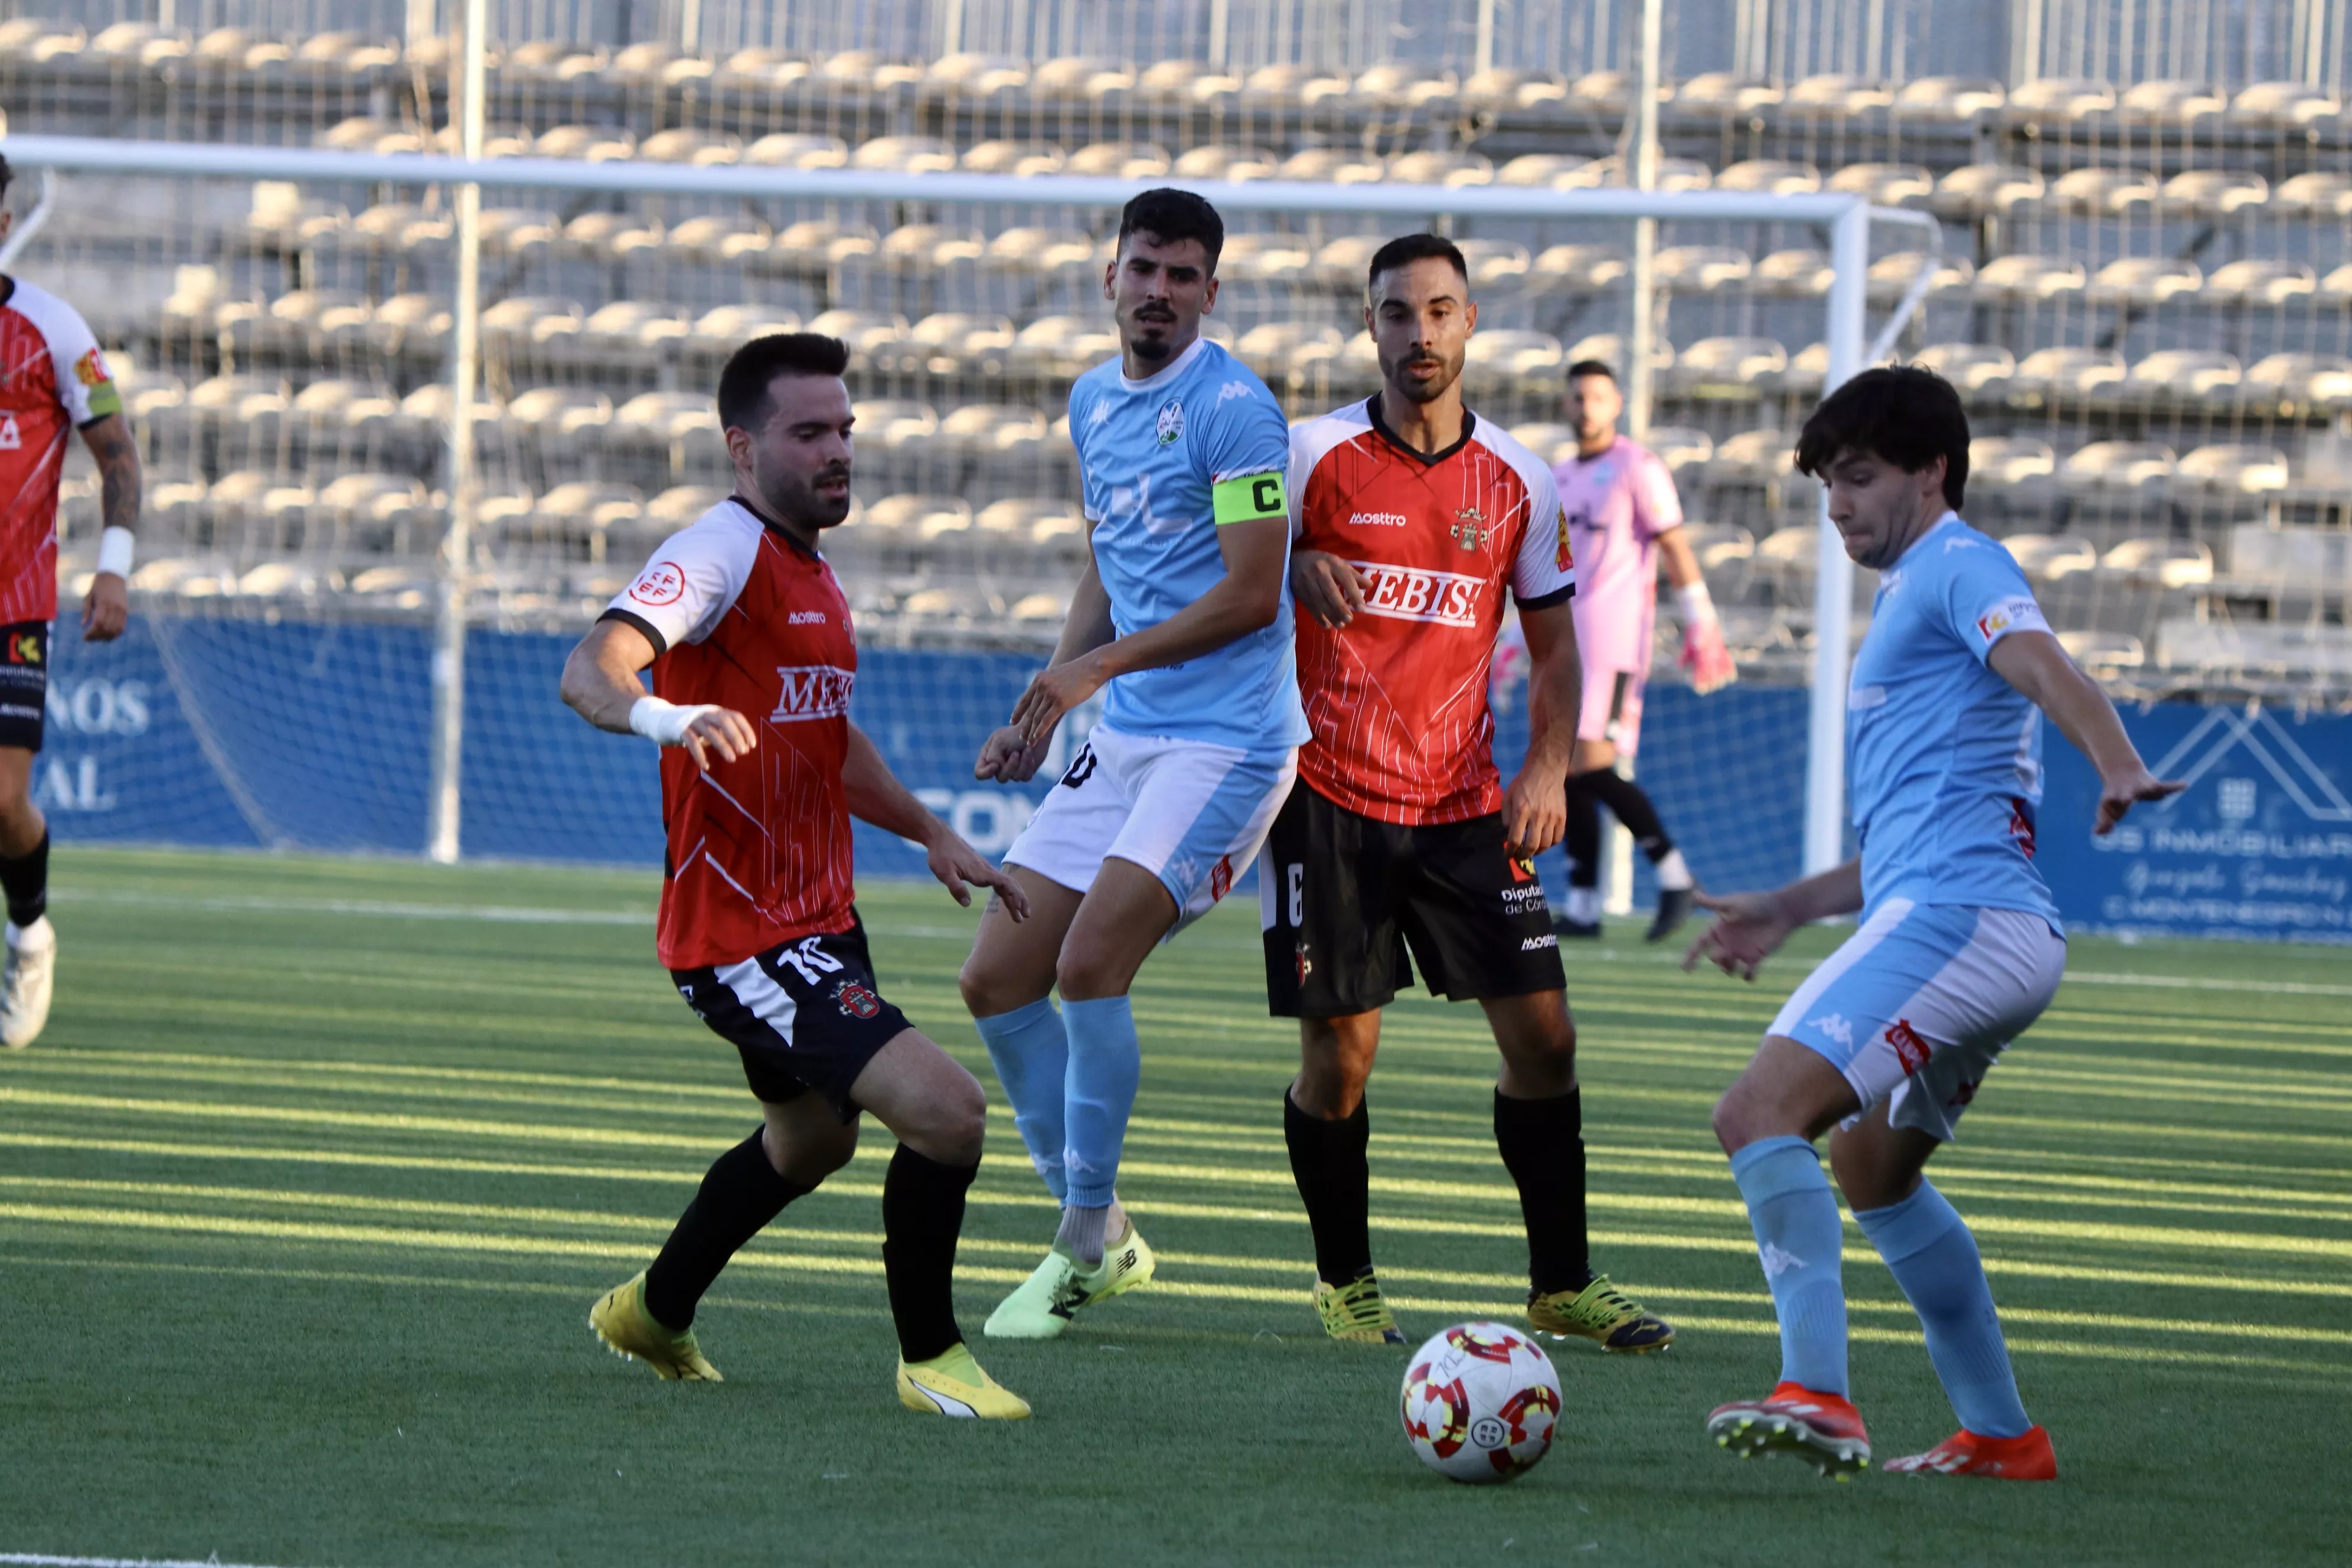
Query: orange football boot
2026, 1457
1823, 1429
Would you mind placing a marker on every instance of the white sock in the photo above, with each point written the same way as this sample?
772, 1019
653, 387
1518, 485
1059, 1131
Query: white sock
1082, 1230
40, 933
1673, 875
1584, 905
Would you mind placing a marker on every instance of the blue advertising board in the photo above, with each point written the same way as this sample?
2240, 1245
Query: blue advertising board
301, 735
2260, 844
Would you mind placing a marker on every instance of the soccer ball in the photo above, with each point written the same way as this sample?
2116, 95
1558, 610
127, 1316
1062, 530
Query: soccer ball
1479, 1403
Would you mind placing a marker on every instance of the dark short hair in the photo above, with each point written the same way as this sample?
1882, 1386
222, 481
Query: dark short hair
1902, 414
1408, 248
6, 174
1585, 367
743, 385
1169, 215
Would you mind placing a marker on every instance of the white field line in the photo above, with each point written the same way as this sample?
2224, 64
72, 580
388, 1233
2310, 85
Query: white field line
35, 1559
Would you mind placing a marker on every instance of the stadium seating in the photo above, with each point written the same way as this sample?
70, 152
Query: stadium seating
2140, 287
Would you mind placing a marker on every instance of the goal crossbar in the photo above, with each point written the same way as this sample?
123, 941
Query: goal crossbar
1847, 217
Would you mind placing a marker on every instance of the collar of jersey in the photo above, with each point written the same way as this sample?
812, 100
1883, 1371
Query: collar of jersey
1166, 373
1427, 460
778, 528
1615, 441
1934, 529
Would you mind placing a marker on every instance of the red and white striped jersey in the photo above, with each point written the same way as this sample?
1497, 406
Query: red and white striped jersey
759, 848
53, 380
1398, 699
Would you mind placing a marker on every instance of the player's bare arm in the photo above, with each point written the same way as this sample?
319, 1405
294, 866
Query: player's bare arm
601, 685
1534, 808
1330, 588
876, 795
1749, 928
106, 608
1246, 599
1008, 756
2036, 664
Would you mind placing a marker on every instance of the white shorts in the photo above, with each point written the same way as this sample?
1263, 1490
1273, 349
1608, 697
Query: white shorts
1192, 812
1916, 1005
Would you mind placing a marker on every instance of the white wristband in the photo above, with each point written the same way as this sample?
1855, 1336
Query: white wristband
115, 547
663, 723
1695, 604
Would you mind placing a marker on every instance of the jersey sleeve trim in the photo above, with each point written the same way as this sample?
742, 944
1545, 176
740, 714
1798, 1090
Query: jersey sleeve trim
653, 634
1559, 596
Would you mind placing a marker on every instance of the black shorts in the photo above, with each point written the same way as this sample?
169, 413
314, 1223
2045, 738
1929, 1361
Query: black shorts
1344, 895
24, 683
806, 1014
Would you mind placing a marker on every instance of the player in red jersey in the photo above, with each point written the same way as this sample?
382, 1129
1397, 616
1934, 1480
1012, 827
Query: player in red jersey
753, 660
1413, 518
52, 380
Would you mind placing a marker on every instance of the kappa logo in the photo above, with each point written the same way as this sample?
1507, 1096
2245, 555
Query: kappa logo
1233, 389
1411, 593
1099, 414
1776, 1260
1171, 423
1835, 1026
663, 583
811, 691
1909, 1048
857, 1001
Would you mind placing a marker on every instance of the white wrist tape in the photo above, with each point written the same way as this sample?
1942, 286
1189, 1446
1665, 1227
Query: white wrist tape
115, 548
663, 723
1695, 604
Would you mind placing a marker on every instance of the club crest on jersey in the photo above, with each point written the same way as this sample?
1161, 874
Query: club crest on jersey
1221, 877
90, 370
1567, 559
857, 1001
1172, 422
811, 691
25, 647
1469, 528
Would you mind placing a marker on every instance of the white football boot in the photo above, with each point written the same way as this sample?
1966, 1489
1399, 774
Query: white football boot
25, 982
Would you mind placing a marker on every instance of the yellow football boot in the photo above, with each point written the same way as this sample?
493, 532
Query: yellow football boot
1355, 1313
1601, 1313
629, 1330
952, 1384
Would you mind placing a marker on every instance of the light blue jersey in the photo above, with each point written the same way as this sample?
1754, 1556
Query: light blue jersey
1165, 461
1943, 756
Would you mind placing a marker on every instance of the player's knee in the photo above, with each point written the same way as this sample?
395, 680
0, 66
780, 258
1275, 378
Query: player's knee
1084, 974
986, 991
957, 1125
1733, 1121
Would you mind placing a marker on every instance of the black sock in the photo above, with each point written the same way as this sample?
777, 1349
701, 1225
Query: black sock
1335, 1182
1542, 1142
1630, 805
922, 1215
741, 1193
25, 881
1583, 841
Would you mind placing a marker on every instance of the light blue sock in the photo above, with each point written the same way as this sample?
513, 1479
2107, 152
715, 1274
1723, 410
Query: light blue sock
1795, 1218
1928, 1246
1099, 1092
1031, 1054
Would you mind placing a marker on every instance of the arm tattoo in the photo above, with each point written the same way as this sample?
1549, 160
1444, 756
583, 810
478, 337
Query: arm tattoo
117, 455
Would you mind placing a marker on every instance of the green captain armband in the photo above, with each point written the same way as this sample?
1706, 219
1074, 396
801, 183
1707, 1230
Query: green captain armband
1248, 497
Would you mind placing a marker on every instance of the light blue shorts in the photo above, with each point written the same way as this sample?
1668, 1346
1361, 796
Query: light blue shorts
1192, 812
1920, 1002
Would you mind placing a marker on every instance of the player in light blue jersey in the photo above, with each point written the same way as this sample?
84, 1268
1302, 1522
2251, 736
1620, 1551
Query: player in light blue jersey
1183, 612
1958, 951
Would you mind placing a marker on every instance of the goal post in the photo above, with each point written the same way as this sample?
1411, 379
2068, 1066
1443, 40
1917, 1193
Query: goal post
1847, 219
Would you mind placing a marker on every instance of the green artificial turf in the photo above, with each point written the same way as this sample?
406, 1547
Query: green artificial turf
308, 1189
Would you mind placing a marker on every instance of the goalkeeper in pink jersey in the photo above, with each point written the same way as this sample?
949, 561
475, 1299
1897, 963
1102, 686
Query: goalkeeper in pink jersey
1622, 518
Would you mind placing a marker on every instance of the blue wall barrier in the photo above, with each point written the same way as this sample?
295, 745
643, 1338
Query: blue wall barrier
313, 736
